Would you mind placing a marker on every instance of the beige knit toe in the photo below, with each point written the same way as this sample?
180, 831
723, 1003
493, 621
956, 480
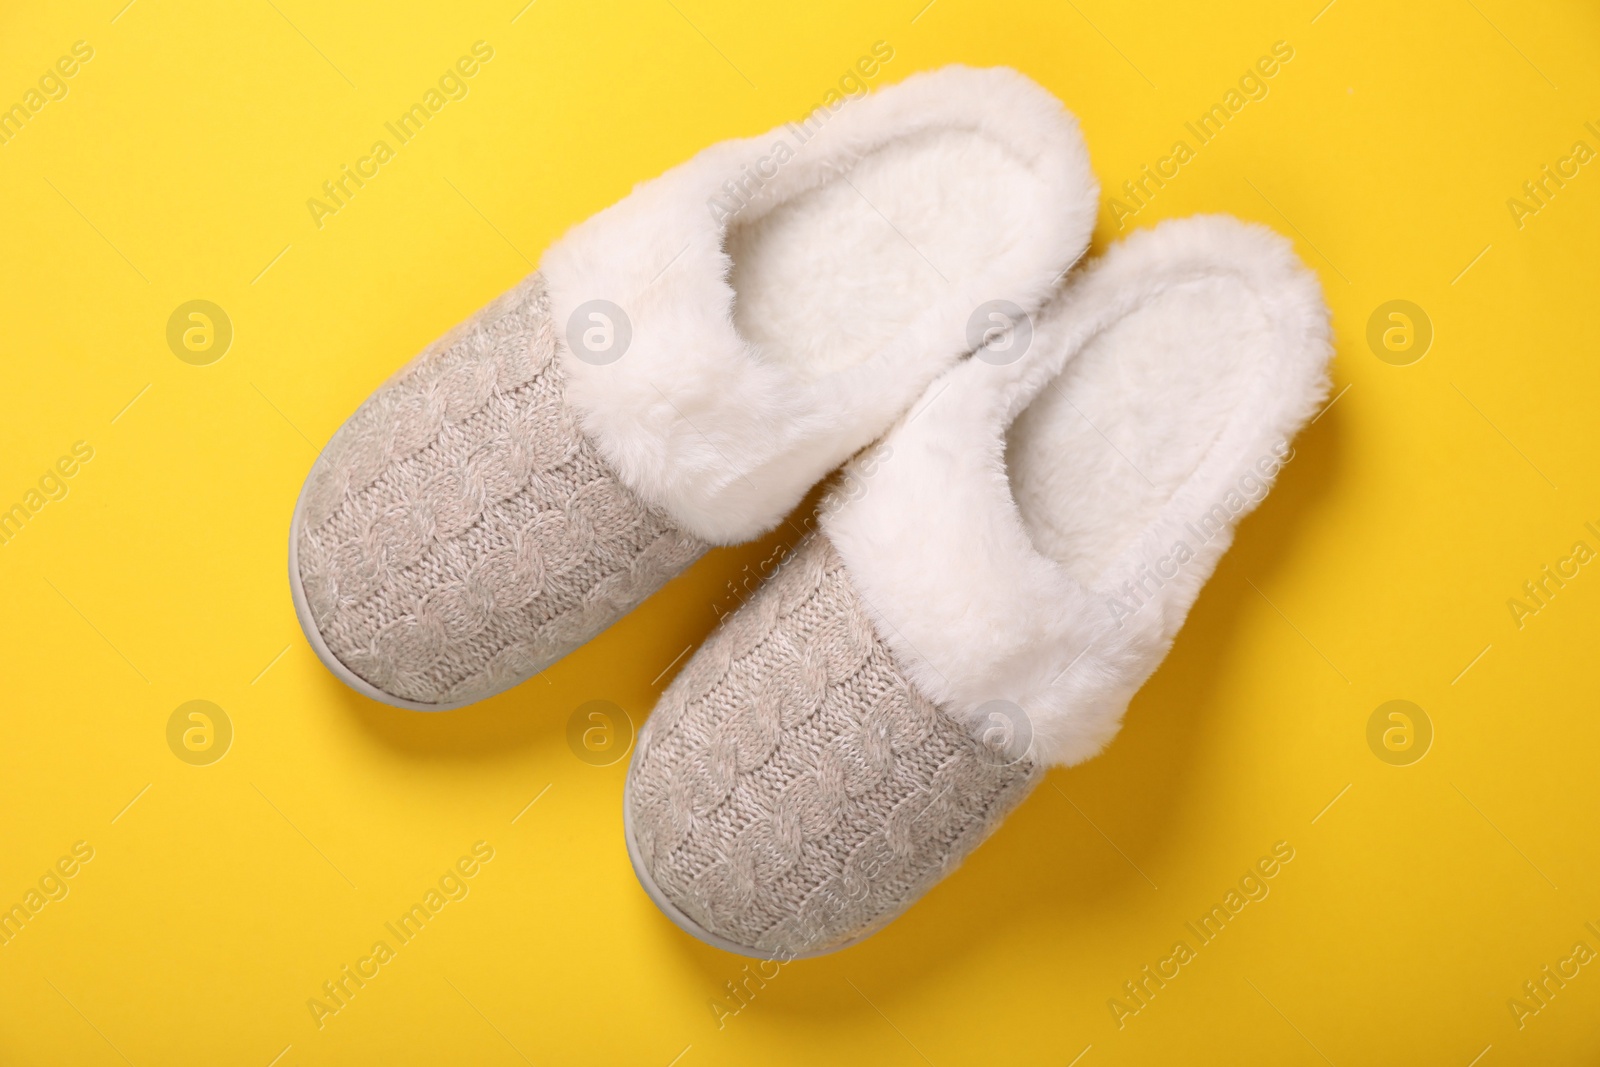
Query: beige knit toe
793, 791
460, 532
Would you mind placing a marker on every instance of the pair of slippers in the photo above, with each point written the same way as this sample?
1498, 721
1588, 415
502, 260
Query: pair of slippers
1058, 466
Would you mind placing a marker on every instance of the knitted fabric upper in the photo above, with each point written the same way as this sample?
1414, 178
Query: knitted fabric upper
792, 791
461, 532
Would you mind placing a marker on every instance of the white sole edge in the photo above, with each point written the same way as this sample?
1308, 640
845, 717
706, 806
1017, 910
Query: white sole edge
688, 925
308, 626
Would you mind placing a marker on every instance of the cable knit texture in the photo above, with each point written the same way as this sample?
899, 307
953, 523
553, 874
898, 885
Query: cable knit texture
461, 532
792, 791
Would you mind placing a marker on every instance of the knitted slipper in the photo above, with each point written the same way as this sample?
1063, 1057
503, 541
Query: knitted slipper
1010, 568
683, 368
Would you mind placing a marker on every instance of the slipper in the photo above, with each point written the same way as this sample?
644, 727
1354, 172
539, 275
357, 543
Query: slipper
1005, 574
683, 368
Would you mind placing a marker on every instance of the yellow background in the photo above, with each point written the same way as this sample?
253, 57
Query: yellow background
1417, 904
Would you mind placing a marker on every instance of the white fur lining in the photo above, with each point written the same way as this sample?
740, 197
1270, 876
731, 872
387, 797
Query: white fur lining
981, 602
726, 415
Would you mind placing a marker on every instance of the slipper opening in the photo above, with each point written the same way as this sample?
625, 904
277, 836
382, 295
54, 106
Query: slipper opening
832, 276
1103, 448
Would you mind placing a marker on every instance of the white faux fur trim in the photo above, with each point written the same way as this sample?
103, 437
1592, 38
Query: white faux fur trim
937, 546
698, 419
